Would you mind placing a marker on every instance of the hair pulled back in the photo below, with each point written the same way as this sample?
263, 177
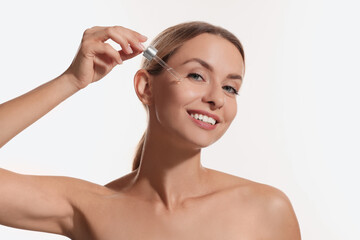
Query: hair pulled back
168, 42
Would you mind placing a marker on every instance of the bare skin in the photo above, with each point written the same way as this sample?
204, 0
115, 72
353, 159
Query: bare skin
171, 195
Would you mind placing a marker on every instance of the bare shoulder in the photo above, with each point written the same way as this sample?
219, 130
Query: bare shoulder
120, 183
75, 185
270, 207
277, 214
75, 190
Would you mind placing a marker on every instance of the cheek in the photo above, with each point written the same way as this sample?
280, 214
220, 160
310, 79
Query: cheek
172, 94
185, 93
231, 111
170, 99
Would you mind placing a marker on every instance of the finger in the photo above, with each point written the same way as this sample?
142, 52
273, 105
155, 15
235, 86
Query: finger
136, 45
140, 37
96, 33
130, 33
129, 40
101, 66
104, 33
122, 39
124, 56
136, 39
108, 50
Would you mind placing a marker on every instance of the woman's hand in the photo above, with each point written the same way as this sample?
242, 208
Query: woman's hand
96, 58
93, 61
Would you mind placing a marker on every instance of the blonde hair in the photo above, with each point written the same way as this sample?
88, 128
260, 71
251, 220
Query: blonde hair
168, 42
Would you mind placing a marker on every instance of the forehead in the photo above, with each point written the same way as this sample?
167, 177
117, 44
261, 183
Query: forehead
215, 50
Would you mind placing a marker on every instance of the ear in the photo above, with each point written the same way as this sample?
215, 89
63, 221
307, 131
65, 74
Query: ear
142, 85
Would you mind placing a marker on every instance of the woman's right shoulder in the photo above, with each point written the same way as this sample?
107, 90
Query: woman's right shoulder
76, 187
118, 184
80, 187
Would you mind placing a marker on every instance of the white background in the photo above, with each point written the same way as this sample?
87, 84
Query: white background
297, 126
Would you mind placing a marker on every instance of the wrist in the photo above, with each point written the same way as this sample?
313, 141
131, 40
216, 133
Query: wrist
71, 81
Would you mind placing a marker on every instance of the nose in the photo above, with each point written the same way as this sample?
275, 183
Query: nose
214, 96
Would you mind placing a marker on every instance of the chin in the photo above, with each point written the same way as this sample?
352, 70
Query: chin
197, 142
203, 143
203, 138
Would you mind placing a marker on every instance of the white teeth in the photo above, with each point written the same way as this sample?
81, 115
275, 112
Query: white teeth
204, 118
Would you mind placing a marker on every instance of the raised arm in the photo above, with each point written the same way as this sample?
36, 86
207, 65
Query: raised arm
45, 203
35, 203
94, 60
21, 112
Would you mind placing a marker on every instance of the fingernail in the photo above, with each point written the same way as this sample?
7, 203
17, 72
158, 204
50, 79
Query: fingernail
129, 50
142, 46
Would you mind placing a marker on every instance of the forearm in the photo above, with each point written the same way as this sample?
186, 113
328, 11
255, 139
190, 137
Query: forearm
19, 113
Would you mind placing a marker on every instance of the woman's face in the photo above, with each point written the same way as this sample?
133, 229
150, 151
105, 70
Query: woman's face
212, 70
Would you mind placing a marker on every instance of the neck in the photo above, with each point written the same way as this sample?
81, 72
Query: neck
169, 173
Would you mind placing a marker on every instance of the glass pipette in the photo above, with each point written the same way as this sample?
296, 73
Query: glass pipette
150, 54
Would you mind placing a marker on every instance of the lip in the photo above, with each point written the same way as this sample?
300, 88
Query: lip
201, 124
205, 113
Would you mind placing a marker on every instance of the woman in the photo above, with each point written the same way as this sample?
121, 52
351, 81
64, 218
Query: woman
169, 194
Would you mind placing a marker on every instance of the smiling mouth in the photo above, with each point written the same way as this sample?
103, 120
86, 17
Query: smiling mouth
203, 117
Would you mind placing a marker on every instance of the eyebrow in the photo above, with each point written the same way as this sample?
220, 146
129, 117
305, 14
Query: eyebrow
210, 68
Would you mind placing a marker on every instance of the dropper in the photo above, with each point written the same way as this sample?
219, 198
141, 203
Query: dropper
150, 54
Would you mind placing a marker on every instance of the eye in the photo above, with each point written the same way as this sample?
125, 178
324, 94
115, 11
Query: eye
195, 76
231, 90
